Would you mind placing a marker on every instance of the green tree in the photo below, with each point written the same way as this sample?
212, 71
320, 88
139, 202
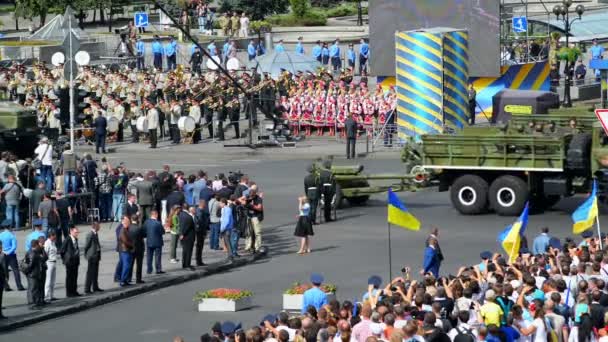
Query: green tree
255, 9
299, 7
29, 9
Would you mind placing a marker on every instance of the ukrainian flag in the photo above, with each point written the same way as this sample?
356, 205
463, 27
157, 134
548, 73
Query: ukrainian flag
585, 215
510, 238
399, 215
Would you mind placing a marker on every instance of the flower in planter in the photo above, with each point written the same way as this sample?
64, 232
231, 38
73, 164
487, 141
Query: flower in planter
298, 289
223, 293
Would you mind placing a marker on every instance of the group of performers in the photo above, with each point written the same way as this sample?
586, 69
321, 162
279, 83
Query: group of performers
191, 103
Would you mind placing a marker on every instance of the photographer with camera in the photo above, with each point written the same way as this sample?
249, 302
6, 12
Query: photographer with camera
255, 211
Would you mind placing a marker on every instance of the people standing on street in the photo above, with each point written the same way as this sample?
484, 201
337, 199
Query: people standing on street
350, 125
140, 49
3, 278
329, 189
137, 235
92, 252
154, 232
325, 54
35, 271
9, 243
255, 212
103, 184
70, 254
145, 196
65, 212
131, 207
50, 248
314, 297
101, 131
170, 51
472, 94
12, 193
304, 226
334, 54
244, 29
34, 235
300, 46
157, 51
187, 235
152, 117
226, 226
351, 57
68, 166
363, 56
120, 180
311, 190
44, 154
125, 248
214, 219
431, 262
541, 242
202, 227
172, 226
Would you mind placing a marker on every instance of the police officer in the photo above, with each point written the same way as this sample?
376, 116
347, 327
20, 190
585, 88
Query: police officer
311, 189
328, 183
36, 271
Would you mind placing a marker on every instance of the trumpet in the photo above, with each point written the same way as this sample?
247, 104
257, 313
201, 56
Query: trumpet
234, 103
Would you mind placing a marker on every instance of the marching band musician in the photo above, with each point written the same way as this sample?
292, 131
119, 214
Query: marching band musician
53, 121
176, 113
133, 116
152, 117
164, 111
119, 114
195, 113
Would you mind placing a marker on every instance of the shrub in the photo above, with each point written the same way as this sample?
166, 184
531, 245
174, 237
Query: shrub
309, 19
299, 8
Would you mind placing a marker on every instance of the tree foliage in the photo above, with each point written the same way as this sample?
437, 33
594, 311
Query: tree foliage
299, 8
255, 9
30, 9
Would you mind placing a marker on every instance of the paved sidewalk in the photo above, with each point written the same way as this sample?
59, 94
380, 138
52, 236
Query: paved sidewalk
19, 314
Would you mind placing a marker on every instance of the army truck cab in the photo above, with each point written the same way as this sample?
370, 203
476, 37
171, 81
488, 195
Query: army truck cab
19, 130
501, 168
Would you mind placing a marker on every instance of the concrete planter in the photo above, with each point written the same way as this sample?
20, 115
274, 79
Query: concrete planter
294, 302
220, 304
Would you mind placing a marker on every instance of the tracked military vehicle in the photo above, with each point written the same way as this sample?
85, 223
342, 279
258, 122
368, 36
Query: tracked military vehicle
19, 131
500, 168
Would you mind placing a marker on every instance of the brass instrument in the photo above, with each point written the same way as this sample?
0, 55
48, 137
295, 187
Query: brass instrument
234, 103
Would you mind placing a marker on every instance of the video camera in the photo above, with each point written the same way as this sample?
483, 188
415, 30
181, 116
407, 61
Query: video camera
234, 177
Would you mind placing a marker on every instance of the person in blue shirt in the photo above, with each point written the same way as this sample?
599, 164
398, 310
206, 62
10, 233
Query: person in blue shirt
541, 242
315, 296
140, 49
34, 235
171, 53
157, 51
432, 260
227, 230
212, 48
316, 51
334, 54
261, 50
351, 56
9, 246
251, 50
299, 46
363, 56
279, 47
596, 50
325, 54
225, 50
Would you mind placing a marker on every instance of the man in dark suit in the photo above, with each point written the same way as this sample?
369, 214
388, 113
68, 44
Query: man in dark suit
187, 236
92, 252
350, 125
137, 235
3, 278
35, 271
175, 197
154, 240
435, 235
101, 129
207, 192
131, 208
145, 197
202, 227
225, 191
70, 254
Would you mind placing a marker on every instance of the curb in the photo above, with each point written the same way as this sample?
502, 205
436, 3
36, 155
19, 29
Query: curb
117, 294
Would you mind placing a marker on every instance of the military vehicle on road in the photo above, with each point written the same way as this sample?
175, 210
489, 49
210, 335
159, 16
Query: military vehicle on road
19, 130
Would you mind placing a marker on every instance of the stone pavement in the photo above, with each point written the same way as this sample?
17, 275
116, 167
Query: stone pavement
19, 314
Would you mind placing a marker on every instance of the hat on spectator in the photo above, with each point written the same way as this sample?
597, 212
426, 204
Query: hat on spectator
228, 328
524, 250
316, 278
485, 255
587, 234
37, 223
216, 328
270, 318
490, 295
374, 280
5, 223
376, 328
555, 243
515, 283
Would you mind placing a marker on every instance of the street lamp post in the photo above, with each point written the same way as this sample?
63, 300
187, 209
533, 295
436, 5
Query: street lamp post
562, 12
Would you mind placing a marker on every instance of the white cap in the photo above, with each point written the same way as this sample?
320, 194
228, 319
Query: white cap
490, 295
376, 328
515, 283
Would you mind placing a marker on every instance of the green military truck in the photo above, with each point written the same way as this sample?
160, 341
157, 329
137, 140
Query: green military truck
501, 168
19, 131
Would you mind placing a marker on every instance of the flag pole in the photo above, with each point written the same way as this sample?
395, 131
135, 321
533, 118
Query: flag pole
390, 256
599, 230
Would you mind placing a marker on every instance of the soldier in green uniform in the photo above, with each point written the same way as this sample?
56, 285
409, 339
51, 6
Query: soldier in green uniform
329, 188
311, 189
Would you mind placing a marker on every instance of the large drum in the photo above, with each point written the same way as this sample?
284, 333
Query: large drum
186, 124
113, 125
142, 124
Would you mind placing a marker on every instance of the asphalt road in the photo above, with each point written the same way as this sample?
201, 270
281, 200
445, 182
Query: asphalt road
347, 252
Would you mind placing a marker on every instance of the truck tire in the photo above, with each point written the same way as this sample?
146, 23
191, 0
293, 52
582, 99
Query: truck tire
578, 156
469, 195
508, 195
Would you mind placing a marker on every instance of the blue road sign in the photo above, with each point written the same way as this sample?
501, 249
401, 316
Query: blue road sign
520, 24
141, 19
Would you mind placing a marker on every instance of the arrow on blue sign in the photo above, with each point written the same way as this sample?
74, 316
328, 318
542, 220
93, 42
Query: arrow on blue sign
141, 19
520, 24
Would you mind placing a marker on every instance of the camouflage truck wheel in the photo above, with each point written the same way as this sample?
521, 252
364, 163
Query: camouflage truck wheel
469, 195
508, 195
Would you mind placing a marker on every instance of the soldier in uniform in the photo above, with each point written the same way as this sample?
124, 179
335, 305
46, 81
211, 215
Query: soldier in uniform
195, 113
152, 117
329, 184
234, 110
135, 114
311, 189
176, 113
119, 114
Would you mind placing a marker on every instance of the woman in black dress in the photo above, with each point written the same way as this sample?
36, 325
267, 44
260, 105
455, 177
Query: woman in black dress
304, 225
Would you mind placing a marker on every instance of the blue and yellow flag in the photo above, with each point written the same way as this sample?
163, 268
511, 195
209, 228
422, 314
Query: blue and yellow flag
585, 215
510, 238
399, 215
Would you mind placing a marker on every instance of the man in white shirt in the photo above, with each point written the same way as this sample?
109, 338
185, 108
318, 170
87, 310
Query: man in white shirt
244, 30
283, 321
463, 327
51, 266
44, 153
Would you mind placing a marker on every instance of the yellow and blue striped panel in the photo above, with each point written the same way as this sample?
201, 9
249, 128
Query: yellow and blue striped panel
419, 78
455, 77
